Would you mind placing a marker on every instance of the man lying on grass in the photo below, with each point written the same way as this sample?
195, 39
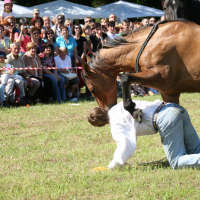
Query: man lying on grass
178, 136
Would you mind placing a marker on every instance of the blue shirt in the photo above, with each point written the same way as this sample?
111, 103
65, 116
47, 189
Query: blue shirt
70, 46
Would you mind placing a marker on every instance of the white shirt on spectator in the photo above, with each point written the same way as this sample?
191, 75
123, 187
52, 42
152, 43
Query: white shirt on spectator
111, 36
5, 14
60, 63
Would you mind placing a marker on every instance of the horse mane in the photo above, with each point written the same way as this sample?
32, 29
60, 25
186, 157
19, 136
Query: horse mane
191, 10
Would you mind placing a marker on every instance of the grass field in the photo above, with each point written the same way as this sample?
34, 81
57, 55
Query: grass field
49, 152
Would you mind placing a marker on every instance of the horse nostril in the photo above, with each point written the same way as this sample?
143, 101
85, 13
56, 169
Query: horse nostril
165, 8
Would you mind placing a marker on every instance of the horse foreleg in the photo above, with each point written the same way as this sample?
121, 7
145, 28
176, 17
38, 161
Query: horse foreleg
129, 105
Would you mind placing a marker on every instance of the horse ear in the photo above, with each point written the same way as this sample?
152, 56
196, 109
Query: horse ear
86, 67
88, 58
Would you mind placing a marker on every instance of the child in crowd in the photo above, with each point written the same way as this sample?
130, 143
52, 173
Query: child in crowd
7, 11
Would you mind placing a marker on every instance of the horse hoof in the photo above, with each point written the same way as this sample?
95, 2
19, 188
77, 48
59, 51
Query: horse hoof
137, 114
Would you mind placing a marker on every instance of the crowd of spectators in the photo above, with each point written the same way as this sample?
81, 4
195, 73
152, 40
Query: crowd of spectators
46, 43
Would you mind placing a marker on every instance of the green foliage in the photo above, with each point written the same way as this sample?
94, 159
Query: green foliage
49, 152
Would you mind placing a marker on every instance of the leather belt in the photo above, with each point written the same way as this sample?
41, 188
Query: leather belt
156, 115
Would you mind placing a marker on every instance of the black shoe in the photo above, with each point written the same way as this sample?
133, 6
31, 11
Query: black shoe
6, 104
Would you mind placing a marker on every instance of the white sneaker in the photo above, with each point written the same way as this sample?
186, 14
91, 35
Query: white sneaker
74, 100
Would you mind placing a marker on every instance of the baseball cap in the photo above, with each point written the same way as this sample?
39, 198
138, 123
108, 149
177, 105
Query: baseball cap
36, 11
3, 54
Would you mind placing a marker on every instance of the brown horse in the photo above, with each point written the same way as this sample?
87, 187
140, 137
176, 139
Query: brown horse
169, 63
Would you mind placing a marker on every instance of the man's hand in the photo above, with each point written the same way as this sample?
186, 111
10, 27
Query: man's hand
57, 77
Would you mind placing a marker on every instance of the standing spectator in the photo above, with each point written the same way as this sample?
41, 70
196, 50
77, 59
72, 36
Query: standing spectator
54, 21
138, 25
7, 11
57, 29
70, 43
111, 30
145, 21
126, 25
97, 39
152, 20
87, 32
63, 60
5, 42
69, 24
23, 38
112, 17
35, 37
88, 20
51, 39
36, 13
14, 59
163, 18
37, 22
47, 23
57, 81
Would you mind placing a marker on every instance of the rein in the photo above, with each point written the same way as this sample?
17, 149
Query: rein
153, 30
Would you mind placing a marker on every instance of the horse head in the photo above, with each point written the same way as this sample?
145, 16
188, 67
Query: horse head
173, 9
102, 86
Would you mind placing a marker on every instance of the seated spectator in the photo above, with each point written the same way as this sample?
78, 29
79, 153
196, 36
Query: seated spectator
24, 37
14, 59
145, 21
62, 61
111, 30
69, 24
37, 22
136, 90
70, 43
97, 39
112, 17
32, 60
51, 39
35, 37
47, 23
126, 25
7, 11
5, 42
152, 20
57, 81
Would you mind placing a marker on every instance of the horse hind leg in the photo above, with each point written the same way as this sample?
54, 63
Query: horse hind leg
129, 105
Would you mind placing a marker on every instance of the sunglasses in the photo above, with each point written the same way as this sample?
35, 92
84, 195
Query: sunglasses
50, 33
88, 21
102, 26
92, 28
78, 28
36, 33
69, 24
152, 21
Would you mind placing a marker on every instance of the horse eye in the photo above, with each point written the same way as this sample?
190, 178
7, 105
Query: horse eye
93, 90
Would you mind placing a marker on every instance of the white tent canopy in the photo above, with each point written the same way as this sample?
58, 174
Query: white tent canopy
70, 10
20, 11
124, 10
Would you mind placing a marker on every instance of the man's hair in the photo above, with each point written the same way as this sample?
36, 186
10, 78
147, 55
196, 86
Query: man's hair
61, 49
61, 15
126, 21
111, 23
98, 117
15, 44
88, 18
31, 45
23, 21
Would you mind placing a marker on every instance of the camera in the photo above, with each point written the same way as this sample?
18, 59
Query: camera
60, 21
26, 27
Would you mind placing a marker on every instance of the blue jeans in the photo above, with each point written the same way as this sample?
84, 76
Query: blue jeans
2, 89
178, 136
58, 87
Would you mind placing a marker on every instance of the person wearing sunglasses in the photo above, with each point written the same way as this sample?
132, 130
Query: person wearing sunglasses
70, 25
152, 20
88, 20
35, 37
49, 38
24, 37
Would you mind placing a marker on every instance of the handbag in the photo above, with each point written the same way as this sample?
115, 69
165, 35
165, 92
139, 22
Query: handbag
70, 75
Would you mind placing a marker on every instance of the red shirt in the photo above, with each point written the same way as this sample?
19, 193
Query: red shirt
24, 41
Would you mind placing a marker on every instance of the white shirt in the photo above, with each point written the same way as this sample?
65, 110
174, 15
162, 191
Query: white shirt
111, 36
63, 63
5, 14
125, 129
